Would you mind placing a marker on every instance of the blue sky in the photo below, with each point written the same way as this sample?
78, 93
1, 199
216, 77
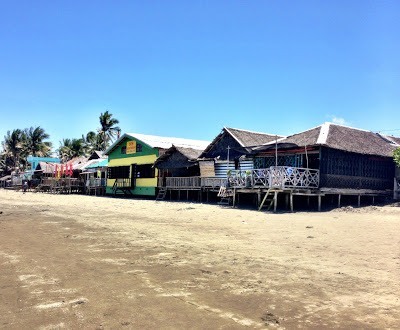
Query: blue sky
188, 68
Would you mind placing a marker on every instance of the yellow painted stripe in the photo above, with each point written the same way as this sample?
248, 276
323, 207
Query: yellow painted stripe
149, 159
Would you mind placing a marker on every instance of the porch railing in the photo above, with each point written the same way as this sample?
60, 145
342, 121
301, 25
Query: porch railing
183, 182
213, 182
96, 182
273, 177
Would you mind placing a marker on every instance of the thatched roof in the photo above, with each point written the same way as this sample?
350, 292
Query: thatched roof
247, 140
178, 157
251, 139
159, 142
341, 138
393, 139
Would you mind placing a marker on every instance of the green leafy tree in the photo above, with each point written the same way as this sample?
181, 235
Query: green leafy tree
34, 142
13, 146
91, 142
396, 156
108, 129
71, 148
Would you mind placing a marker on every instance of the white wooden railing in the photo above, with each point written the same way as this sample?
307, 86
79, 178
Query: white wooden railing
275, 177
95, 182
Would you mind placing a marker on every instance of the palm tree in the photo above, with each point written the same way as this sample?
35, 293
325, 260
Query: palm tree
34, 143
108, 129
91, 142
13, 146
70, 148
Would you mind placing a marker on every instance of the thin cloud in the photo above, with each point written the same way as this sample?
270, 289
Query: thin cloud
339, 121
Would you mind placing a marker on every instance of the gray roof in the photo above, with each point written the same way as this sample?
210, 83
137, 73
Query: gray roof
341, 138
249, 138
160, 142
190, 153
246, 139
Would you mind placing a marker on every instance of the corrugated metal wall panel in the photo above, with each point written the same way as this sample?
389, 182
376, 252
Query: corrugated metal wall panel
245, 165
221, 169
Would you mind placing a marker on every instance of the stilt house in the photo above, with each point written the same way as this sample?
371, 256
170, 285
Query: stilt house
232, 150
326, 160
131, 161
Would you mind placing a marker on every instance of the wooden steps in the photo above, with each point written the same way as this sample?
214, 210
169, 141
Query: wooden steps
226, 196
162, 192
268, 200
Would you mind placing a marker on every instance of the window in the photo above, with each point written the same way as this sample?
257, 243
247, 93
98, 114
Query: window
138, 147
118, 172
144, 171
123, 150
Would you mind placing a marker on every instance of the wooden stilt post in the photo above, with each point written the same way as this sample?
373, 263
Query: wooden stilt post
359, 201
275, 200
187, 195
308, 202
179, 195
291, 202
339, 200
234, 197
373, 200
258, 198
207, 195
319, 203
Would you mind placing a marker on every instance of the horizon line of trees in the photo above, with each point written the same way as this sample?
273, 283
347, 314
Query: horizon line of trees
18, 144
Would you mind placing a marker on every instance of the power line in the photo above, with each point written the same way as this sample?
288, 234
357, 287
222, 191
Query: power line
389, 130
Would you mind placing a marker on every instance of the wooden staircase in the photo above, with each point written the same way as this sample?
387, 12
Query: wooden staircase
121, 185
268, 200
162, 193
226, 196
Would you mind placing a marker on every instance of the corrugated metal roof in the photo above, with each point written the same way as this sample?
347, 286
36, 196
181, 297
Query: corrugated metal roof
161, 142
98, 163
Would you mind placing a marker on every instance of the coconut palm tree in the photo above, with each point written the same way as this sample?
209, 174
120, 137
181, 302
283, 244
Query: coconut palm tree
34, 143
70, 148
13, 146
91, 142
108, 130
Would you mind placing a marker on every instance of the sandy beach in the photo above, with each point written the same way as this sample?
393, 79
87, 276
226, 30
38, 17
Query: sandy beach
73, 261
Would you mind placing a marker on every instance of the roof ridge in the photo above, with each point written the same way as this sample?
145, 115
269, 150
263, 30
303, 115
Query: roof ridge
346, 126
246, 130
165, 137
323, 133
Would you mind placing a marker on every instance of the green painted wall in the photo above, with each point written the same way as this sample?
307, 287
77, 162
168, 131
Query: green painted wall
144, 186
146, 150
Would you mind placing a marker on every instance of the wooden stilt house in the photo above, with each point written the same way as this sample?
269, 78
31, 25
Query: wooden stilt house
326, 160
131, 161
231, 150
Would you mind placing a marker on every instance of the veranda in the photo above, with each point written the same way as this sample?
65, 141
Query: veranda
266, 184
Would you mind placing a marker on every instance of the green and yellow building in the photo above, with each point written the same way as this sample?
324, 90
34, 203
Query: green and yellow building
131, 162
